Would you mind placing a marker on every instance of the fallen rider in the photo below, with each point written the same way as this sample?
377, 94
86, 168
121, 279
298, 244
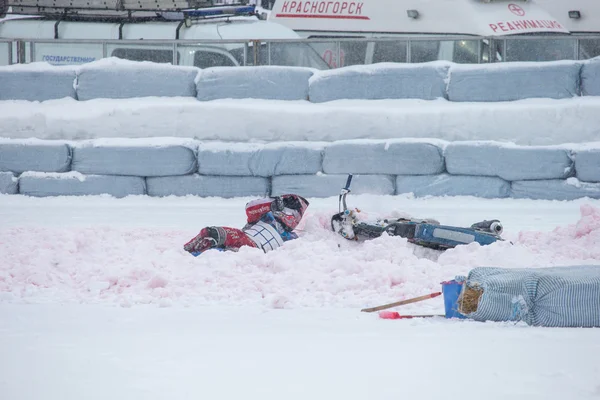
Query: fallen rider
270, 222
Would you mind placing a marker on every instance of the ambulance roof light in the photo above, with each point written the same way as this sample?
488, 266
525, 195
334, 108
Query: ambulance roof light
414, 14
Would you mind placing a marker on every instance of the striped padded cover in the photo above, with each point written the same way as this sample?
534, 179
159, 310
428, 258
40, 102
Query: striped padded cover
556, 297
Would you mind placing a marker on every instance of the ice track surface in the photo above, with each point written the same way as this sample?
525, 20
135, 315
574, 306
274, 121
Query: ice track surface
98, 301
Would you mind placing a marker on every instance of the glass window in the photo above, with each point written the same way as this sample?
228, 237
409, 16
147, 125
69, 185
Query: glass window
466, 52
207, 59
351, 52
424, 50
589, 48
154, 55
284, 54
540, 49
4, 54
390, 51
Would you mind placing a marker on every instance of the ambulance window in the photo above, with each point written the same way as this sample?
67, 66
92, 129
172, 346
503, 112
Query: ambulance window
589, 48
394, 51
284, 54
424, 50
466, 52
540, 49
207, 59
353, 53
154, 55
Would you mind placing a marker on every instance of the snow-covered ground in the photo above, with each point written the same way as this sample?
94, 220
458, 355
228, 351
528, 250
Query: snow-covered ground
99, 301
524, 122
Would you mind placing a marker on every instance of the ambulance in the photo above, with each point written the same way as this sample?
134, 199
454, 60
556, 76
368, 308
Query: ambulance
66, 32
479, 28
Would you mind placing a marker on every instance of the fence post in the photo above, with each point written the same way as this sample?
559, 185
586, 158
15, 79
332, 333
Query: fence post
256, 51
31, 51
10, 53
21, 58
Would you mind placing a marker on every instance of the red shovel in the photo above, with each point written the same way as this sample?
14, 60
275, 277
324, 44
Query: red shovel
396, 315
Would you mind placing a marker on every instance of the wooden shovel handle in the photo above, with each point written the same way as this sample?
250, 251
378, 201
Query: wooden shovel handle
403, 302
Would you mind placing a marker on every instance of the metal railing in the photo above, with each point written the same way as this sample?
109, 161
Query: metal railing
331, 52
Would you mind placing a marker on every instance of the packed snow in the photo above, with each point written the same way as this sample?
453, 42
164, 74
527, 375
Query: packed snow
128, 252
98, 300
524, 122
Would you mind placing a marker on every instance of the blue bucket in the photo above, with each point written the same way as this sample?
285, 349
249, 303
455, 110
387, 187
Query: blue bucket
451, 290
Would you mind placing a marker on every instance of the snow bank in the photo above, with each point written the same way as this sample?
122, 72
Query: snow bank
140, 160
270, 82
424, 168
511, 163
46, 157
514, 81
329, 185
590, 78
74, 184
37, 82
453, 185
259, 160
554, 189
391, 158
587, 165
121, 264
113, 78
425, 81
524, 122
8, 183
208, 186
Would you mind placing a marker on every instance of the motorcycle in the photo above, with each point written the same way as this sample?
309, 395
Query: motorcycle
423, 232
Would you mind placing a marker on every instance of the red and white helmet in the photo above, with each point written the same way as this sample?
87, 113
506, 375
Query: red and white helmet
293, 211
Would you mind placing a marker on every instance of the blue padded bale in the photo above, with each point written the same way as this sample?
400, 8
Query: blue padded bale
19, 158
554, 189
266, 82
134, 160
514, 81
75, 184
330, 185
511, 163
36, 82
453, 185
587, 165
425, 81
393, 158
9, 184
553, 297
590, 77
121, 79
259, 160
208, 186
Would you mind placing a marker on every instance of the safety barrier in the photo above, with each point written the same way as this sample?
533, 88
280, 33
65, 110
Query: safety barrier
138, 167
117, 79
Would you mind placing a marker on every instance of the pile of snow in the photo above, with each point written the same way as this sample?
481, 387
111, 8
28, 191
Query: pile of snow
130, 265
525, 122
